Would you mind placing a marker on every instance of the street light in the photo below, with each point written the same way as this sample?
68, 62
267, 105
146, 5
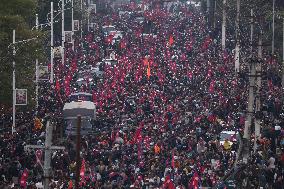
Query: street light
14, 76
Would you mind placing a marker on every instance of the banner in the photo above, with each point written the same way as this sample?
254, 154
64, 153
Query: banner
92, 9
21, 96
43, 74
76, 25
68, 36
57, 52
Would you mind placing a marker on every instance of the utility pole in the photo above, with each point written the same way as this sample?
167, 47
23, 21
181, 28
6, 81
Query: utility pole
273, 27
283, 58
237, 49
37, 70
250, 110
51, 42
78, 149
81, 28
208, 12
48, 148
215, 9
258, 87
224, 25
14, 76
14, 83
62, 32
251, 31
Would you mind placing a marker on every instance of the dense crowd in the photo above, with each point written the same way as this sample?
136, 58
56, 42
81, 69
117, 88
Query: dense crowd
160, 110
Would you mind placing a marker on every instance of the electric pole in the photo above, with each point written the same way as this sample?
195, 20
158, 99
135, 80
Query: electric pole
258, 87
237, 49
48, 148
224, 25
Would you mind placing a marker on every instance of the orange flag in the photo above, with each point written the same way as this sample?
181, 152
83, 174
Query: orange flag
148, 71
171, 40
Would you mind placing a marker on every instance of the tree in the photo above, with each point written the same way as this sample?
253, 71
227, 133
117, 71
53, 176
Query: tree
18, 15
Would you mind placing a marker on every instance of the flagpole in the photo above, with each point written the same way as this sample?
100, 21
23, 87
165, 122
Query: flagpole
51, 43
14, 84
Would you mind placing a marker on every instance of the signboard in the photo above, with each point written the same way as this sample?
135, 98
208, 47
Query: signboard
43, 73
68, 36
21, 96
76, 25
57, 52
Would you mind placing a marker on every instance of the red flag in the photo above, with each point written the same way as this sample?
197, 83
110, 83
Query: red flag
145, 62
122, 44
173, 159
206, 43
194, 181
70, 184
23, 181
82, 172
168, 183
211, 87
109, 39
137, 137
171, 40
57, 86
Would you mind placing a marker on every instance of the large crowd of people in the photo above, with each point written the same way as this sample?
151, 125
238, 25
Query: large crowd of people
160, 109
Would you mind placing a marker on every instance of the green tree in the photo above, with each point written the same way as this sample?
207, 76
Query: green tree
18, 15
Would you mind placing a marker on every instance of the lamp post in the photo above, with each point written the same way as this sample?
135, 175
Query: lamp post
14, 43
273, 26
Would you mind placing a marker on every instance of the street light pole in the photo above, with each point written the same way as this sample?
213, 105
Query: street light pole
51, 42
283, 58
224, 25
81, 27
14, 83
237, 50
72, 2
62, 33
37, 71
251, 31
273, 27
